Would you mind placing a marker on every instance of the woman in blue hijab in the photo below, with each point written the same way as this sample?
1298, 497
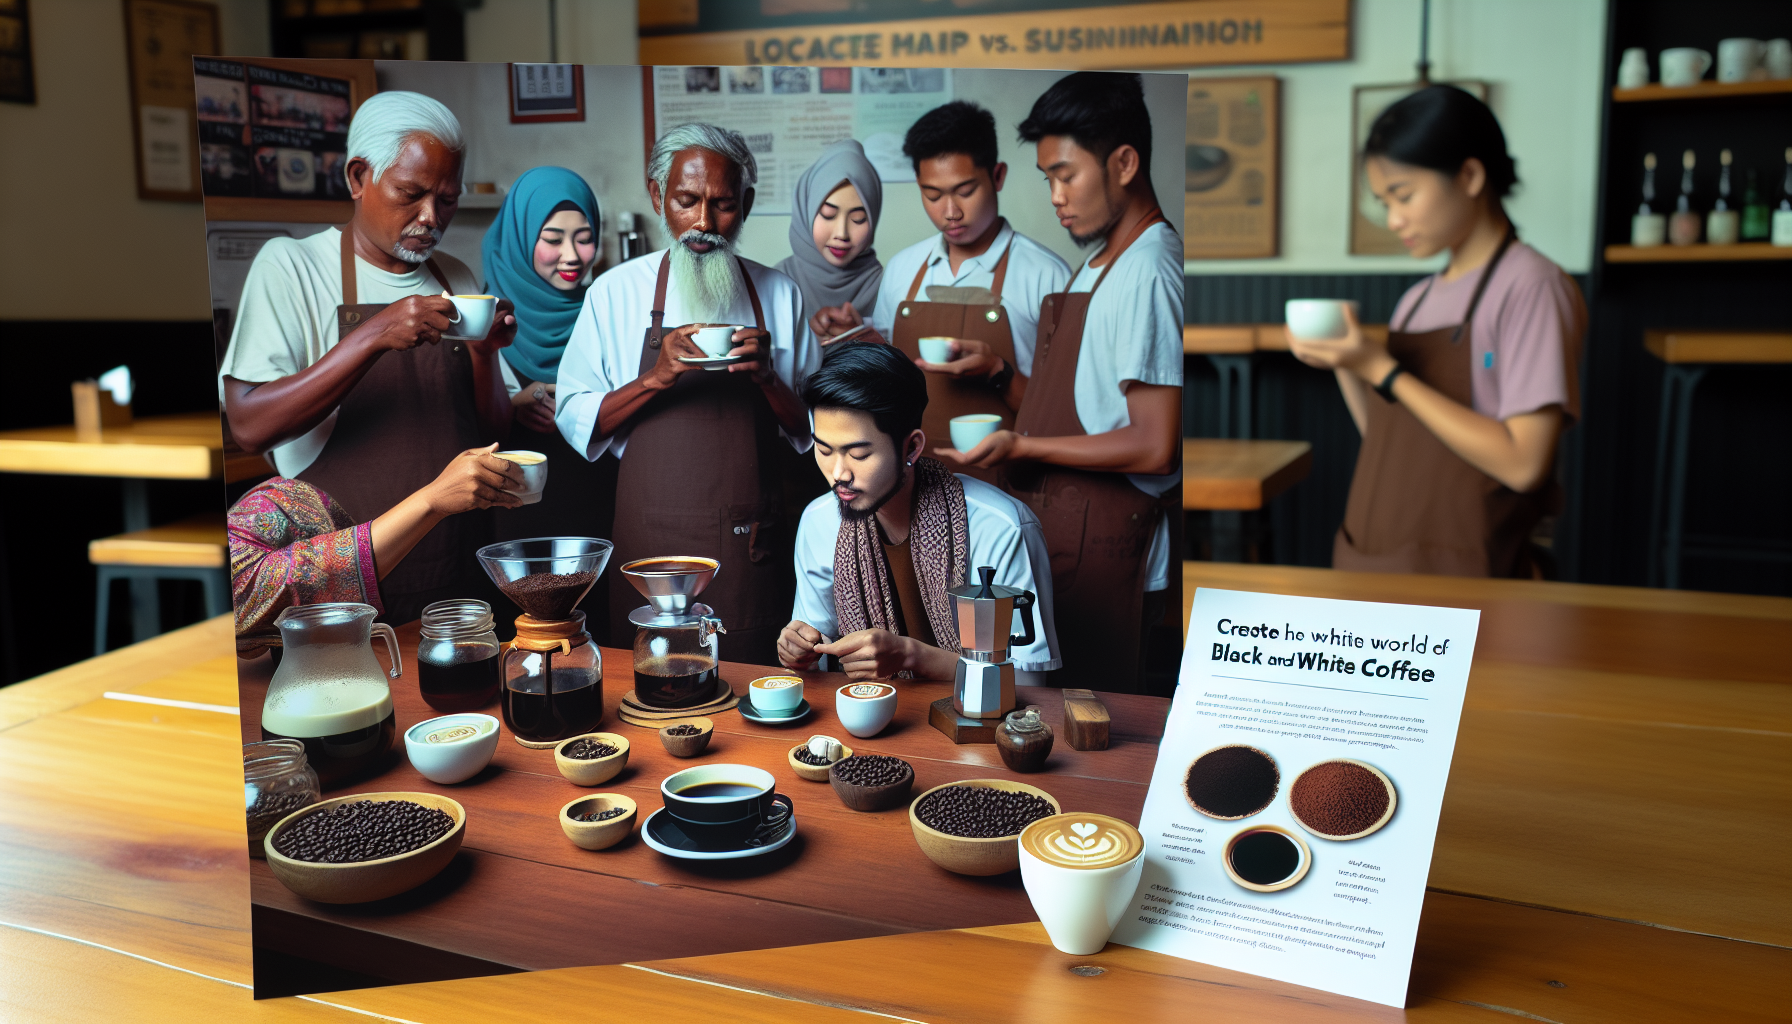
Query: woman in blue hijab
540, 253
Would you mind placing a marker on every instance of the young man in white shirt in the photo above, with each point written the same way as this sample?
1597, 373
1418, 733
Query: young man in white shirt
876, 556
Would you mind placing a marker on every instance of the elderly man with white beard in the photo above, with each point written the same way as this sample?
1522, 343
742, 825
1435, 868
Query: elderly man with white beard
700, 471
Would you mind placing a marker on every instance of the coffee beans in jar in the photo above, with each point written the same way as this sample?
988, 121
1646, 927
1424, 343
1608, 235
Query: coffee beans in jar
363, 830
980, 812
587, 749
873, 770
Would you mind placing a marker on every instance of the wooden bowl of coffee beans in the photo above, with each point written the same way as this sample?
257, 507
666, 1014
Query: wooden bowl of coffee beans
365, 846
872, 782
598, 822
687, 737
973, 827
805, 763
591, 759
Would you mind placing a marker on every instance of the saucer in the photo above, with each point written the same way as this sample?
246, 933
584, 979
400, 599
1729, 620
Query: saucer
712, 362
661, 833
753, 714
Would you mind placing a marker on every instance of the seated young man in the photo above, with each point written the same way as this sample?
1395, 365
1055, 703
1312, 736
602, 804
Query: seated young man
875, 558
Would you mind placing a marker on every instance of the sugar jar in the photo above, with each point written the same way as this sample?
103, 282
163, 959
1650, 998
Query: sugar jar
277, 780
1023, 740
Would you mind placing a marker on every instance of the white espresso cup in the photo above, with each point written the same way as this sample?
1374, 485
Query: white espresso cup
473, 315
715, 342
1317, 319
865, 708
1778, 59
936, 350
775, 695
1683, 66
1738, 58
969, 431
1633, 70
1081, 871
535, 472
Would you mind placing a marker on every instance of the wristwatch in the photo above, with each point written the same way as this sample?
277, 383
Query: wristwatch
999, 379
1386, 388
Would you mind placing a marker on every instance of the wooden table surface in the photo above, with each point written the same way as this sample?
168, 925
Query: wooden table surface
1224, 474
187, 446
1611, 849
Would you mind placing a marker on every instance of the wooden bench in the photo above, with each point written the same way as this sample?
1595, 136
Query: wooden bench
192, 549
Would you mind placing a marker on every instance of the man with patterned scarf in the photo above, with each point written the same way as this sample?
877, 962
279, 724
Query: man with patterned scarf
875, 558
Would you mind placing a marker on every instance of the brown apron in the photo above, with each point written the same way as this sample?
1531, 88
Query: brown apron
1417, 506
1097, 525
700, 477
948, 397
396, 429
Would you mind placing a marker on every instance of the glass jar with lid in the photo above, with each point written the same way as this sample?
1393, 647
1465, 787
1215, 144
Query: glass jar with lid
459, 667
277, 780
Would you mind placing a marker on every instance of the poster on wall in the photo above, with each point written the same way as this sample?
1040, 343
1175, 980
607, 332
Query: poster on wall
162, 37
790, 114
1369, 234
1293, 808
1232, 187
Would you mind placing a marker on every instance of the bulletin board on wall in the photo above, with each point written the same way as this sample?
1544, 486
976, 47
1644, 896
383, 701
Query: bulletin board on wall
1232, 187
161, 37
273, 136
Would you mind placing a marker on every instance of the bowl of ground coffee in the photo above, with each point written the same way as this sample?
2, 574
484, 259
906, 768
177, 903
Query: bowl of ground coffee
1342, 799
591, 759
598, 822
973, 827
1231, 782
365, 846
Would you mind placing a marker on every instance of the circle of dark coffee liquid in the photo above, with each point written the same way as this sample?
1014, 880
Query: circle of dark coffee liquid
1264, 858
675, 681
574, 705
346, 756
466, 686
703, 789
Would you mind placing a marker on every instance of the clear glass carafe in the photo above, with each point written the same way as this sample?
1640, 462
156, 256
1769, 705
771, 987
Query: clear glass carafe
330, 693
676, 657
553, 681
277, 781
459, 666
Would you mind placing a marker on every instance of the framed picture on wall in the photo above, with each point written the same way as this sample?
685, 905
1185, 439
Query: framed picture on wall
546, 92
161, 39
18, 83
1232, 188
1369, 235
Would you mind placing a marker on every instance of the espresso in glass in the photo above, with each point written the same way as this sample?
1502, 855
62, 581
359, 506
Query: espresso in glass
675, 681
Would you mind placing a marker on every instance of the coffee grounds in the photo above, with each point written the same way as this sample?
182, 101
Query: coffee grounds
807, 756
548, 595
587, 750
980, 812
873, 770
271, 807
363, 830
614, 812
1338, 798
1265, 858
682, 730
1232, 782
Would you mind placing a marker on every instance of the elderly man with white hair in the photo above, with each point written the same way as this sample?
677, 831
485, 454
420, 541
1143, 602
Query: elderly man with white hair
700, 466
337, 366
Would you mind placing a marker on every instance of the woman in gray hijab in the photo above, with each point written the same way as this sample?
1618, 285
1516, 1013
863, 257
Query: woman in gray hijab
833, 220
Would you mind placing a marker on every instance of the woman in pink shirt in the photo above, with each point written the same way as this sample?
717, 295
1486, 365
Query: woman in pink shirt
1460, 409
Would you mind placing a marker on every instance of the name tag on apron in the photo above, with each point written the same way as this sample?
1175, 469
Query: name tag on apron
961, 296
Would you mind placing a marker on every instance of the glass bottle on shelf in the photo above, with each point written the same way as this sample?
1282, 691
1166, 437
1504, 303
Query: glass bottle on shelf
1683, 227
1648, 228
1782, 215
1757, 218
1723, 225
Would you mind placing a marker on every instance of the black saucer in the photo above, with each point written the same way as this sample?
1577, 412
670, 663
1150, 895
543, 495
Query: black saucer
661, 832
748, 712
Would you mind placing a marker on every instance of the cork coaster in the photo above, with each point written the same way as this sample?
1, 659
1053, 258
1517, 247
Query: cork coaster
720, 699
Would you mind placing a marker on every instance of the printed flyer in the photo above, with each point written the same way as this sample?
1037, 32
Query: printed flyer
1291, 816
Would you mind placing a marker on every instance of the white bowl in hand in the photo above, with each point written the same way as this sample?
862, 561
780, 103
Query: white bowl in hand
1318, 319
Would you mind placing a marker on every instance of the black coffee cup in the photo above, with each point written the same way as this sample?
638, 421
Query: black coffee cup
718, 804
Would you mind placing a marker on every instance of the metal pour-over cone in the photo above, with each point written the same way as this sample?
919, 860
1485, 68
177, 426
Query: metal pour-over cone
671, 583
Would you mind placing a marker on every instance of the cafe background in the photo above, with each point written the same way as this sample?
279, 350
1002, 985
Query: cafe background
92, 275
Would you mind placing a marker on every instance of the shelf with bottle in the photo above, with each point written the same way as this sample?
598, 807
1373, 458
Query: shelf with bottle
1752, 233
1700, 91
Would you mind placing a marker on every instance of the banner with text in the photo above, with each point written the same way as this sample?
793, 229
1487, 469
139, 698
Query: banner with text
1292, 813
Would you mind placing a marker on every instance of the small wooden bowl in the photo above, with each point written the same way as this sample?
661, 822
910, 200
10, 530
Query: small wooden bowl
974, 856
597, 770
598, 835
366, 880
871, 798
813, 772
1386, 816
688, 746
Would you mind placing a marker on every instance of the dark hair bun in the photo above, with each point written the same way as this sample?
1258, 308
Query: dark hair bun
1439, 128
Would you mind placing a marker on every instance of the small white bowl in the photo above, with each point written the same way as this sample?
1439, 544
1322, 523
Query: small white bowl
715, 341
865, 716
776, 699
969, 431
936, 350
465, 746
1317, 319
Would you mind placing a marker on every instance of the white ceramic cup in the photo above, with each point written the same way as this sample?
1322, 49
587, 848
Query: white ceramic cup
1317, 319
535, 472
936, 350
865, 708
1683, 66
1079, 906
1778, 59
473, 316
715, 342
1633, 69
969, 431
452, 748
776, 695
1738, 58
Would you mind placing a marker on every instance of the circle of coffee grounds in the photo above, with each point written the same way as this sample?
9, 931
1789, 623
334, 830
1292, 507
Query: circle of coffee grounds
271, 807
614, 812
980, 812
1232, 782
807, 756
1338, 798
1265, 858
587, 749
873, 770
548, 595
363, 830
682, 730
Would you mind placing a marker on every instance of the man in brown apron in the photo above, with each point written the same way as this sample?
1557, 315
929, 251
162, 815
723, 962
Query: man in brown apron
978, 282
1101, 524
699, 472
393, 401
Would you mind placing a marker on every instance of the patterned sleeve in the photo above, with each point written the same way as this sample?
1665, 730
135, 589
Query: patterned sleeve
291, 544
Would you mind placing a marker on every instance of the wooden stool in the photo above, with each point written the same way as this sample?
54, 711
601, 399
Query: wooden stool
192, 549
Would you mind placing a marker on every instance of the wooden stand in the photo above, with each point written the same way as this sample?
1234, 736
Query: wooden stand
959, 729
1085, 720
97, 410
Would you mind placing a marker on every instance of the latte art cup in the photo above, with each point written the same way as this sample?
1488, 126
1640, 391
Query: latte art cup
1081, 872
775, 694
535, 472
473, 316
865, 708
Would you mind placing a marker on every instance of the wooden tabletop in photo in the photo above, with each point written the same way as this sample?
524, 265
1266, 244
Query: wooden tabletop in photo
1223, 474
1719, 346
187, 446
